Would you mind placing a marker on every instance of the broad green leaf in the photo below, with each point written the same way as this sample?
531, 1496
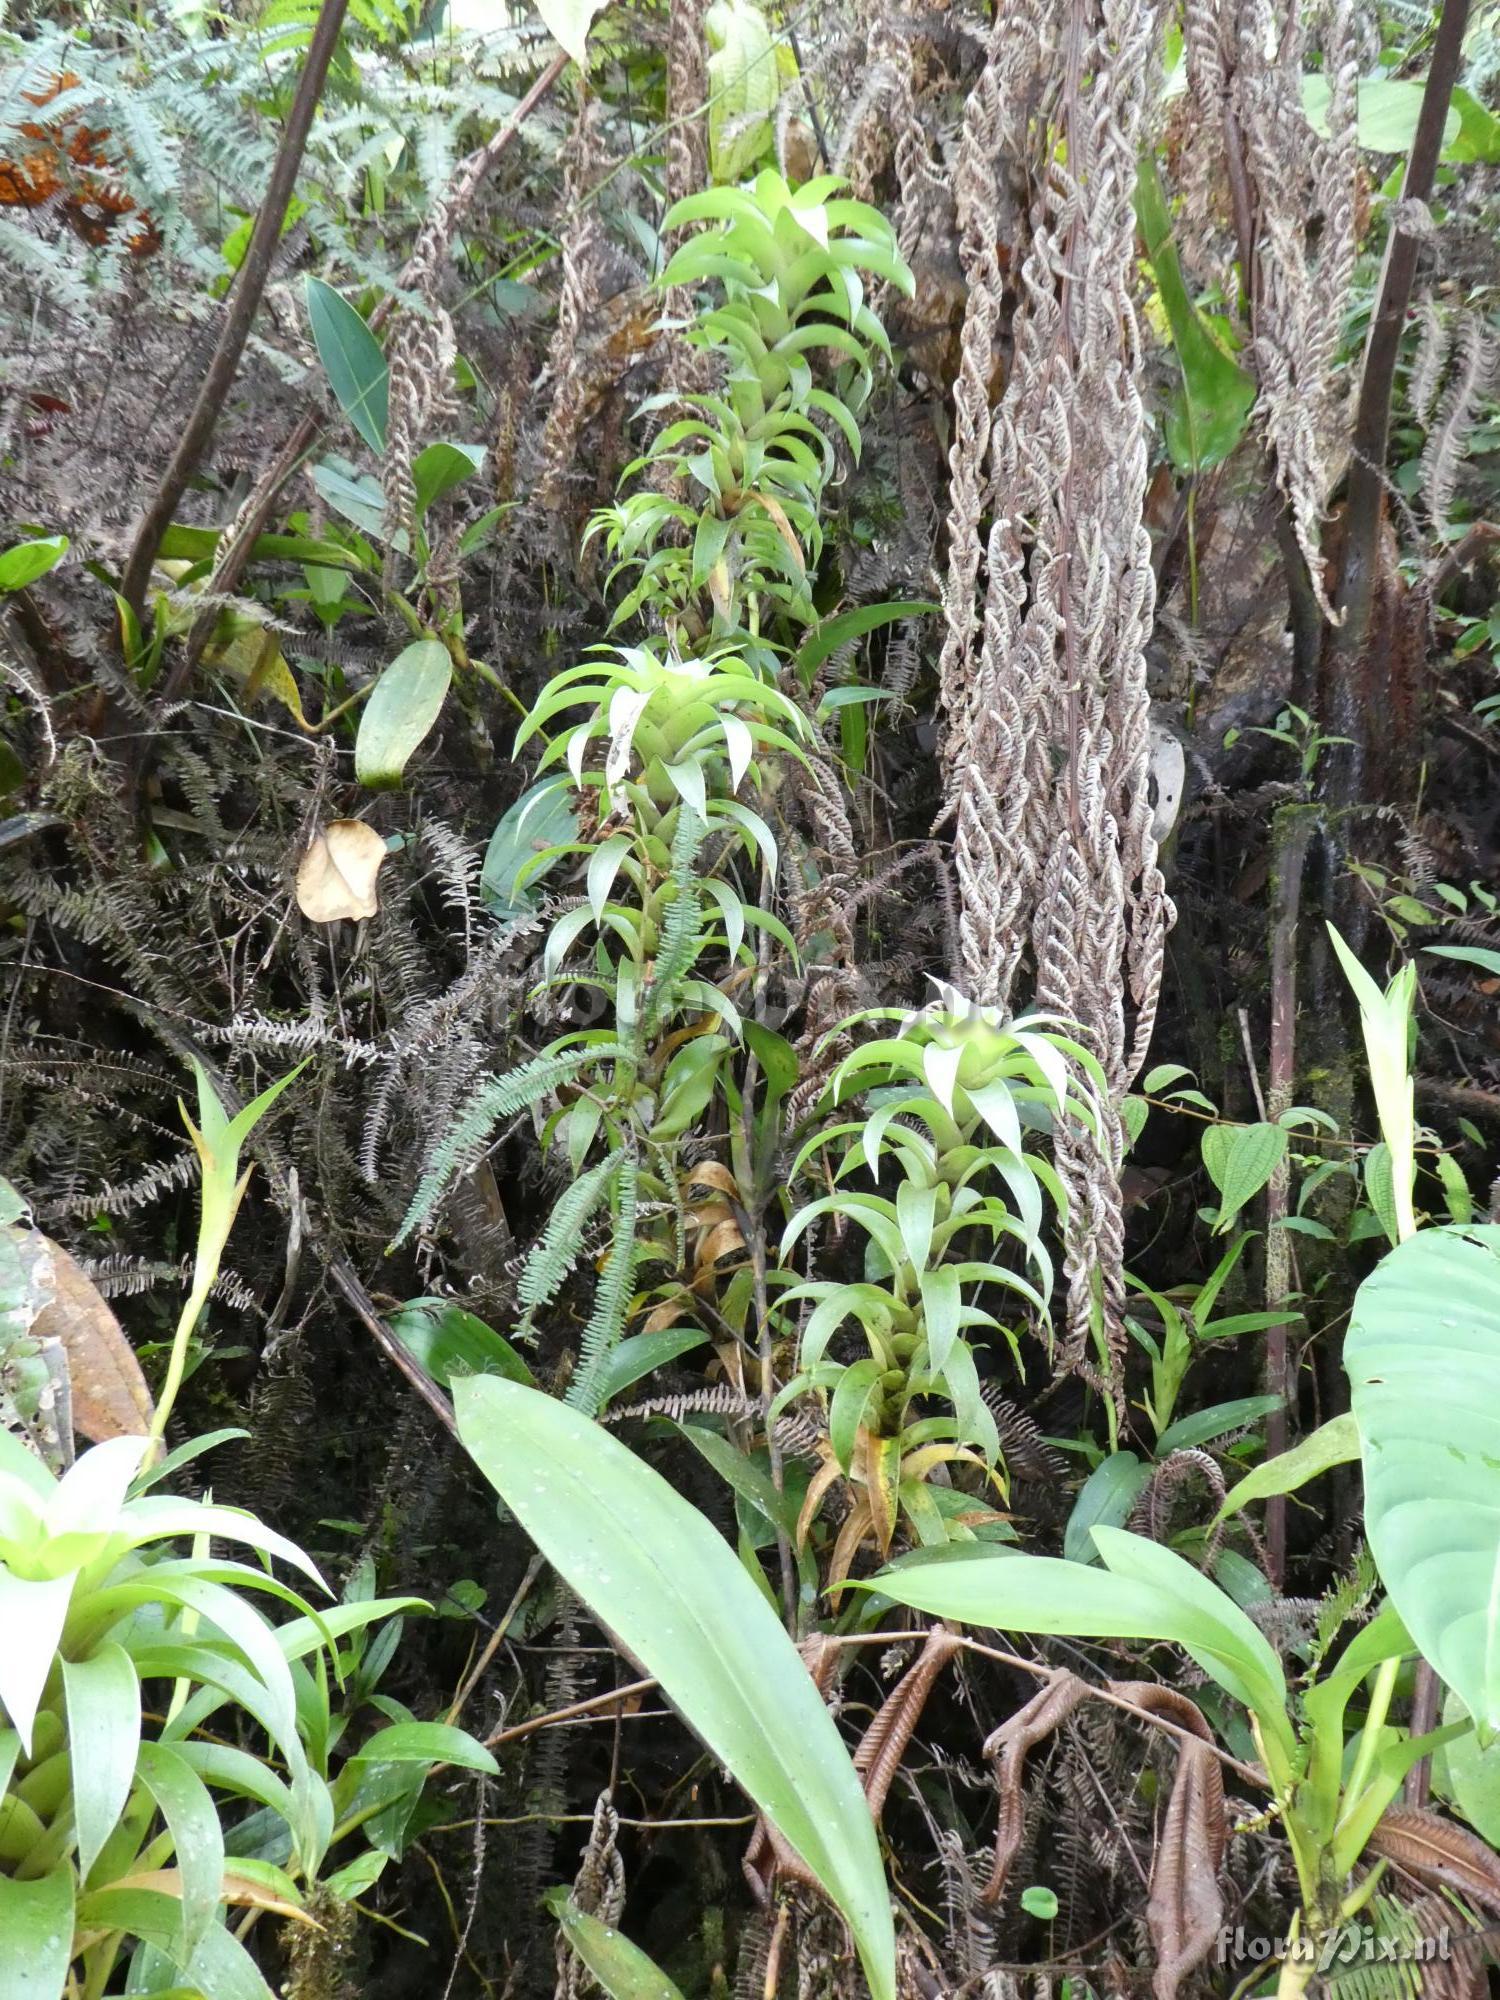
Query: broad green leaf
427, 1743
446, 1341
407, 701
1466, 954
847, 626
1144, 1592
220, 1966
744, 1475
659, 1576
1470, 1772
358, 1877
1423, 1359
1387, 110
857, 1384
104, 1732
942, 1310
26, 561
440, 468
1479, 130
1207, 419
541, 818
356, 496
1240, 1160
744, 83
568, 22
640, 1353
352, 361
621, 1968
1106, 1498
36, 1935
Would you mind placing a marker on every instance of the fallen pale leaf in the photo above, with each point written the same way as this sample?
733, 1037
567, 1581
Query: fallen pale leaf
337, 876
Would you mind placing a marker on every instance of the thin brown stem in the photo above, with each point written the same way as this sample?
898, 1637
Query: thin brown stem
595, 1702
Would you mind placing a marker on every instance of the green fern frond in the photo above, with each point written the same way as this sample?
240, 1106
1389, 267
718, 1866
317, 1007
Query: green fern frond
1349, 1598
612, 1299
500, 1097
555, 1252
681, 931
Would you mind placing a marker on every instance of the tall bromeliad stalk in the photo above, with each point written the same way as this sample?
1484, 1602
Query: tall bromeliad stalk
666, 741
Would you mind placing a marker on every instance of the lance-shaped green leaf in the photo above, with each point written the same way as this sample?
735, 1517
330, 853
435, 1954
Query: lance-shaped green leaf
622, 1969
659, 1576
352, 361
1423, 1359
1385, 1019
36, 1936
1207, 419
104, 1731
1333, 1443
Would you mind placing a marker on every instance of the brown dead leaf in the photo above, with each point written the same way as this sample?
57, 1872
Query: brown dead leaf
1186, 1905
1047, 1710
110, 1397
883, 1744
1438, 1854
337, 877
109, 1394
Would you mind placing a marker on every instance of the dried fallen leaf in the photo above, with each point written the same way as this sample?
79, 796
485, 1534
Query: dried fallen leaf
1186, 1906
109, 1394
337, 876
1007, 1747
1438, 1854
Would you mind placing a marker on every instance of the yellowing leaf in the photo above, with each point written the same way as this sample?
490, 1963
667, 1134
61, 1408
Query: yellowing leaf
254, 656
337, 876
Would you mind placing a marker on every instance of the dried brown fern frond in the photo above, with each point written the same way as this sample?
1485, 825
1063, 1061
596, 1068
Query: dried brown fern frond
1048, 745
1471, 366
598, 1890
1296, 195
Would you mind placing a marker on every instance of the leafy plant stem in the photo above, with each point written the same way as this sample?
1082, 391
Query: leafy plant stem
232, 559
1291, 833
248, 292
1369, 1741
